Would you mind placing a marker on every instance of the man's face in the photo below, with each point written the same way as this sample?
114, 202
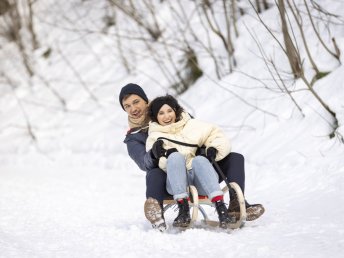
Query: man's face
135, 106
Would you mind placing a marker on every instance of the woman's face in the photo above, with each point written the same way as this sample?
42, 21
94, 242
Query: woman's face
166, 115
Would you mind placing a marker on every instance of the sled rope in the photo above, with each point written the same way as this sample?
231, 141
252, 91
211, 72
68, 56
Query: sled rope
178, 142
219, 170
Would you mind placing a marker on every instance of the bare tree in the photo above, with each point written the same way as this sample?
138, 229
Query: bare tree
276, 74
175, 46
294, 57
129, 8
290, 49
31, 27
335, 53
234, 9
11, 26
77, 75
14, 19
28, 124
298, 19
225, 38
4, 6
189, 73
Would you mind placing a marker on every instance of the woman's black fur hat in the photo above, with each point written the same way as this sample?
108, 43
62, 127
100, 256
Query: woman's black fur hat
156, 104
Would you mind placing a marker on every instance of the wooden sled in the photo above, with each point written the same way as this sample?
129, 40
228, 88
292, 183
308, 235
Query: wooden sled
196, 202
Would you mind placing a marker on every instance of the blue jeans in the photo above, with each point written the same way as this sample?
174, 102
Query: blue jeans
202, 175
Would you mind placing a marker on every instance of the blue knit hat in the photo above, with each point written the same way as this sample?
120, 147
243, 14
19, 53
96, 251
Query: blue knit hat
132, 88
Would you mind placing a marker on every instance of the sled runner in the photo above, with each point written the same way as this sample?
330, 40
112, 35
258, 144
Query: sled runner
198, 203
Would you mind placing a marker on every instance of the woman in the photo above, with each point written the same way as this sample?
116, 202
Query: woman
174, 139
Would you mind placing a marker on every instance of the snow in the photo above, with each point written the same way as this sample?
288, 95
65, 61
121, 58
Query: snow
76, 193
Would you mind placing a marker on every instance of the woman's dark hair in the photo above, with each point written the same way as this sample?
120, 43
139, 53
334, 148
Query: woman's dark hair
156, 104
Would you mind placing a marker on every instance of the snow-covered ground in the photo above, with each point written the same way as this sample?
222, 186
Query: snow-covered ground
76, 193
61, 211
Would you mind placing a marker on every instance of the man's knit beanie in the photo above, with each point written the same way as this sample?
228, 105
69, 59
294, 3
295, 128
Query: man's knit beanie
132, 88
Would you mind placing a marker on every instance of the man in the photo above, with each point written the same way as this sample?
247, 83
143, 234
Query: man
135, 103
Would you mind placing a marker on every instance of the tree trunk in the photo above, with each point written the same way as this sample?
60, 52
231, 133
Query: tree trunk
292, 53
34, 41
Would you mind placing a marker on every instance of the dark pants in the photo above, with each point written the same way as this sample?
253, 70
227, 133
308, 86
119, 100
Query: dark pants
233, 166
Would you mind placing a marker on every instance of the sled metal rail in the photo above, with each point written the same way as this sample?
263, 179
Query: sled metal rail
197, 201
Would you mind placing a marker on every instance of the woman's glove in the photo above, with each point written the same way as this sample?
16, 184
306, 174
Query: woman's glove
211, 153
157, 150
170, 151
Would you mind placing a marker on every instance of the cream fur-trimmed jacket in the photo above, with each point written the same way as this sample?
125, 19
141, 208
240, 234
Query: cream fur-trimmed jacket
190, 131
